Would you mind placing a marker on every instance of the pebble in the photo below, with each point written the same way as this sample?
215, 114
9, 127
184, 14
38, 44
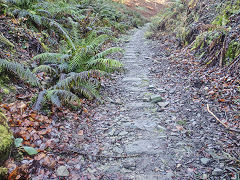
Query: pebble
205, 161
151, 86
217, 172
62, 171
118, 150
111, 132
123, 133
130, 164
156, 98
204, 176
163, 104
161, 90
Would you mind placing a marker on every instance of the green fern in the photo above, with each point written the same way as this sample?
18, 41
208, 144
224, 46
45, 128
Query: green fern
89, 90
74, 79
51, 57
57, 96
44, 68
78, 60
21, 71
107, 52
107, 65
21, 3
85, 83
53, 23
5, 40
97, 42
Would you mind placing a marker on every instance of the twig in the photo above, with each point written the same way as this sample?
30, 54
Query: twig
227, 127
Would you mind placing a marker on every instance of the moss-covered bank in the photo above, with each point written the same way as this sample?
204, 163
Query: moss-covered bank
6, 141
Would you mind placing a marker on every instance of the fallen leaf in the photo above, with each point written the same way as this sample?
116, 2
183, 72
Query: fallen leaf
80, 133
40, 156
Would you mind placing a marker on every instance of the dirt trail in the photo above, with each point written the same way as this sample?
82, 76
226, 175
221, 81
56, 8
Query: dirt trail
150, 127
132, 140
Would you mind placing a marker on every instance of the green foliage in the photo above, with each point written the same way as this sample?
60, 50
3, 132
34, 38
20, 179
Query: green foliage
77, 32
233, 50
213, 36
171, 18
5, 40
221, 20
51, 57
21, 71
87, 56
44, 68
29, 150
67, 89
18, 142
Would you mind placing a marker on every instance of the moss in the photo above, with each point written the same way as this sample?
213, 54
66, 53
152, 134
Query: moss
5, 139
233, 50
3, 171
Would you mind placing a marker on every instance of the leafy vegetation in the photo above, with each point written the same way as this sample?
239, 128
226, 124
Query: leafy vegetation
18, 144
213, 37
75, 36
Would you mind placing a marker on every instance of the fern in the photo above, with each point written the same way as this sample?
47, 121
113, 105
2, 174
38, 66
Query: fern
21, 71
44, 68
56, 97
66, 96
89, 90
52, 57
5, 40
21, 3
107, 65
40, 101
107, 52
78, 60
74, 79
63, 67
62, 30
97, 42
84, 83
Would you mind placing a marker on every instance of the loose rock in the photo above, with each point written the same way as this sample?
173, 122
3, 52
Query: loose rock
62, 171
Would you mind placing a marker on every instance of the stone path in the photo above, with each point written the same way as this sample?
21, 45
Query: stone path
130, 125
151, 127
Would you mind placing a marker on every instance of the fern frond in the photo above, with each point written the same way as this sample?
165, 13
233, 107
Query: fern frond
54, 99
63, 67
40, 101
36, 18
88, 90
107, 65
52, 57
107, 52
98, 42
77, 60
63, 31
55, 95
44, 68
5, 40
18, 69
75, 79
104, 30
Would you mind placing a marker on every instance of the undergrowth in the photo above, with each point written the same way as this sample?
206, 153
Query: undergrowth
75, 36
213, 37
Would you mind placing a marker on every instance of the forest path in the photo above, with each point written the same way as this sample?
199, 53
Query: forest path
132, 134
